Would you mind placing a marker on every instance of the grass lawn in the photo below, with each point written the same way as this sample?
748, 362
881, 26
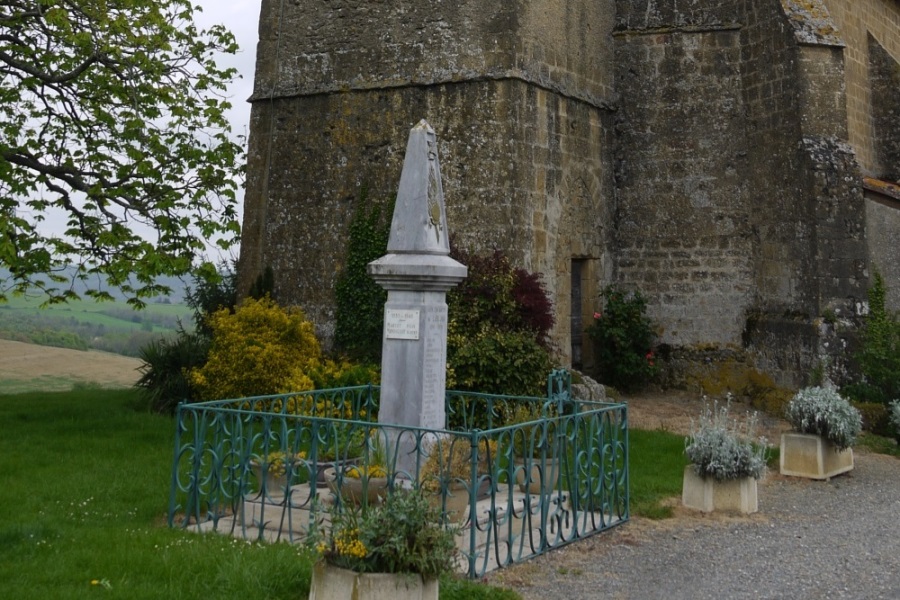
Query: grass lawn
656, 471
85, 486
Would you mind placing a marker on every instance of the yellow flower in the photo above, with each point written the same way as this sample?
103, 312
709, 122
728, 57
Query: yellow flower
370, 471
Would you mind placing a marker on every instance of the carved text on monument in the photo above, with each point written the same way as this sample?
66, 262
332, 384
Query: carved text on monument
401, 324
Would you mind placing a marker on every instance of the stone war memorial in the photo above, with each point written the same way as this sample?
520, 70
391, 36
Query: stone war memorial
734, 161
286, 466
417, 272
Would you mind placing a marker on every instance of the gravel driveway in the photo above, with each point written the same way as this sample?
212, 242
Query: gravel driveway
811, 539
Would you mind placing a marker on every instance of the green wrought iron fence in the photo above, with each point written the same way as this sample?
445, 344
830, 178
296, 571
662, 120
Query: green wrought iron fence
277, 467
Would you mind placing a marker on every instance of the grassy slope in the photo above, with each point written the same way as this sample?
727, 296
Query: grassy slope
83, 324
85, 482
94, 313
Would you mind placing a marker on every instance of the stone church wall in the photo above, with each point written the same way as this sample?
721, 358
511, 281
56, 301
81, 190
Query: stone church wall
682, 232
695, 151
857, 21
517, 93
884, 75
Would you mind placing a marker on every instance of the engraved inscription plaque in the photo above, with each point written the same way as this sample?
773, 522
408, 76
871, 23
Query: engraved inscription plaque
401, 324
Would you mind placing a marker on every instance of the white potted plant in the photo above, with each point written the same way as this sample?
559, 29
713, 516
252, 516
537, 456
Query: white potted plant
825, 428
895, 418
395, 549
727, 460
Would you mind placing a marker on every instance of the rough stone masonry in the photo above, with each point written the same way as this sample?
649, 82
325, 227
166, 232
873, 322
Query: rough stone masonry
734, 160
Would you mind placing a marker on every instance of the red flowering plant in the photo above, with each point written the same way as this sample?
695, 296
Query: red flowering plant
623, 339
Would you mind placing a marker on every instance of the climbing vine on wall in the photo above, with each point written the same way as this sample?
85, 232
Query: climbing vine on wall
359, 300
879, 357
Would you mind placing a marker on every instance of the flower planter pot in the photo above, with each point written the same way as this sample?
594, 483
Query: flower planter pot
330, 582
811, 456
323, 466
357, 490
535, 476
368, 489
457, 505
275, 485
707, 494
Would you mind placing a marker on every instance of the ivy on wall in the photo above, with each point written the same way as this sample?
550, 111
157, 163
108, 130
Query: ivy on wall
359, 300
879, 357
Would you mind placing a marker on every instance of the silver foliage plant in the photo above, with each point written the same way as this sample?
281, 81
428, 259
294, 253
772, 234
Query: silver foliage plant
895, 417
823, 411
722, 447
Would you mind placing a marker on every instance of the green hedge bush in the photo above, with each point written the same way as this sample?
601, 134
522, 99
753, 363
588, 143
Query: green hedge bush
498, 338
623, 337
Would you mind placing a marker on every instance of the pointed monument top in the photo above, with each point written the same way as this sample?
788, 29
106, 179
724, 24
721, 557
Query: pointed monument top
419, 225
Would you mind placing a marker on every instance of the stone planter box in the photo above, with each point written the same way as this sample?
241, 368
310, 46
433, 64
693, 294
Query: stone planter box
358, 491
706, 494
811, 456
330, 582
275, 485
538, 473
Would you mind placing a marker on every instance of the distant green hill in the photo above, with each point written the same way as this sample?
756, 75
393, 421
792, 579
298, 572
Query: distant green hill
86, 324
178, 286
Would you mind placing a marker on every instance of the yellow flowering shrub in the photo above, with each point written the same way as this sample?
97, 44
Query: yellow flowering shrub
318, 407
348, 544
259, 349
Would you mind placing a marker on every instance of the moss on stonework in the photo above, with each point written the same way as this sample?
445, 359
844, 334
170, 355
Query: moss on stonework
733, 376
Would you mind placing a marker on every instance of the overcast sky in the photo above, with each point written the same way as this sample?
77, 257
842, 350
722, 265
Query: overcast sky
241, 17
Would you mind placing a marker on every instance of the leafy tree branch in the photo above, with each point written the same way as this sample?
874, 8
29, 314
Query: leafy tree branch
112, 114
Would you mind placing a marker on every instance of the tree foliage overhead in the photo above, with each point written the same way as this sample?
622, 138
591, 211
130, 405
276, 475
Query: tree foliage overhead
112, 115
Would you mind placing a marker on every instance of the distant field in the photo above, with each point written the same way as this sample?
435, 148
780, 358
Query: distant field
32, 368
83, 324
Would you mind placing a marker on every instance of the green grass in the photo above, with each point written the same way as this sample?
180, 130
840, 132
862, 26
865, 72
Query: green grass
114, 314
84, 492
45, 382
656, 470
879, 444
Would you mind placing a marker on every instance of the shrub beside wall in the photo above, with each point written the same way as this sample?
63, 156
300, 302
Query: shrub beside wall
498, 334
623, 340
260, 348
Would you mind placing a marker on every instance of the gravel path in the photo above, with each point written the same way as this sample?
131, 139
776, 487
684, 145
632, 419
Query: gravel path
811, 539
